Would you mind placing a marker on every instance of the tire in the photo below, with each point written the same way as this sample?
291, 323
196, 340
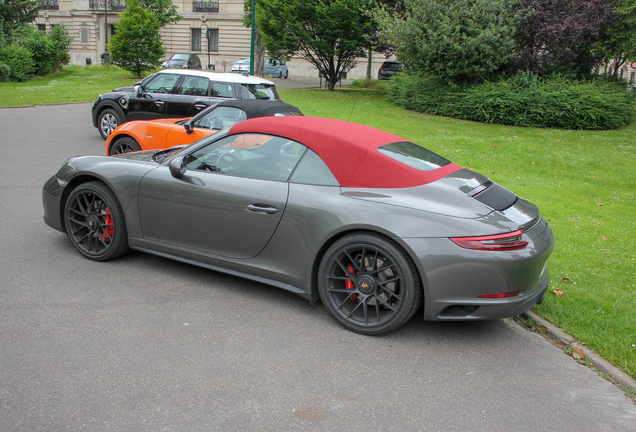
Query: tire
286, 74
351, 291
108, 120
95, 223
123, 145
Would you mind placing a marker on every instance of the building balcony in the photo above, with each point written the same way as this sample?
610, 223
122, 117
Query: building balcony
49, 4
113, 5
205, 6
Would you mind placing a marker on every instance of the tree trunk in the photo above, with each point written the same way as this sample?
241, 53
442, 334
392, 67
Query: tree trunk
369, 64
259, 53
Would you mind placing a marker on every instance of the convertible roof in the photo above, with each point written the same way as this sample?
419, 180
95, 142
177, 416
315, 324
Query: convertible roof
348, 149
261, 108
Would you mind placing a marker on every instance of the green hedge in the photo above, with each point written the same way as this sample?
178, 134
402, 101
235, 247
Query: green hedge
19, 61
523, 100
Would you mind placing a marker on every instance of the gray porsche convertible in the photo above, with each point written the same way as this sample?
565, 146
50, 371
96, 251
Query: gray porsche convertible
371, 224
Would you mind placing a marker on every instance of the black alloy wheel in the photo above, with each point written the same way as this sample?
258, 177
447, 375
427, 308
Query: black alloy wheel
95, 222
108, 120
369, 284
123, 145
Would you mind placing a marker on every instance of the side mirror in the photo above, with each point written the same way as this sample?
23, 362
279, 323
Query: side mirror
188, 127
139, 89
177, 166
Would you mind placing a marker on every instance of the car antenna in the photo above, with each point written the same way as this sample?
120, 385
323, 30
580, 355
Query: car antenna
354, 105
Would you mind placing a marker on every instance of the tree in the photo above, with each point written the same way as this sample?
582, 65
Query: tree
14, 13
560, 36
60, 46
458, 40
137, 45
164, 10
259, 49
329, 34
620, 45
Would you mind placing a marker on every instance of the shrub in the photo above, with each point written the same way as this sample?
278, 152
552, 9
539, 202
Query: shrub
522, 100
5, 71
19, 61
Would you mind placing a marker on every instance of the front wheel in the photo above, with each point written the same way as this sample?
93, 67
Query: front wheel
95, 223
108, 120
369, 284
123, 145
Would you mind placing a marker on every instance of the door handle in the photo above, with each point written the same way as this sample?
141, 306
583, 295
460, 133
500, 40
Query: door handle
159, 102
261, 209
199, 106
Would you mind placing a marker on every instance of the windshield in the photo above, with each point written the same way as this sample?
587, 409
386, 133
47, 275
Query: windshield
180, 57
259, 91
243, 61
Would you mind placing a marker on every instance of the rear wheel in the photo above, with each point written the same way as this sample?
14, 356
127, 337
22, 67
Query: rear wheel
369, 284
95, 222
286, 74
123, 145
108, 120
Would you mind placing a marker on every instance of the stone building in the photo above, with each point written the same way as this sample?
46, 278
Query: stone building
211, 29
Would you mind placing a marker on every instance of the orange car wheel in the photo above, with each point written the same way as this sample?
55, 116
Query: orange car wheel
123, 145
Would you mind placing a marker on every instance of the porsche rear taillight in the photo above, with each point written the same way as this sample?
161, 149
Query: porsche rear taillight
498, 242
500, 295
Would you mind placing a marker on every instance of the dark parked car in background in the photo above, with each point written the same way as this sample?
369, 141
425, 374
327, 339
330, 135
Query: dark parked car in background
388, 69
182, 61
175, 93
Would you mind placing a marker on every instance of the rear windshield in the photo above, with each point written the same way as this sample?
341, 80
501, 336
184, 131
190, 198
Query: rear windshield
181, 57
414, 156
391, 65
259, 91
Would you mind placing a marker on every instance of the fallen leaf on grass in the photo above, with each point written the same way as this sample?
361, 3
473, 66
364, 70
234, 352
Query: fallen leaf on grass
558, 292
604, 238
578, 353
494, 146
564, 278
600, 204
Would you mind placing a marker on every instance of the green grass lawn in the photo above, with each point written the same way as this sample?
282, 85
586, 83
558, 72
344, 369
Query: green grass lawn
73, 84
584, 182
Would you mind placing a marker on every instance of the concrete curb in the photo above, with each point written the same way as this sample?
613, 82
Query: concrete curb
597, 361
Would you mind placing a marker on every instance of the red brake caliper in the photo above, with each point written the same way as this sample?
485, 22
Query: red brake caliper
108, 220
349, 283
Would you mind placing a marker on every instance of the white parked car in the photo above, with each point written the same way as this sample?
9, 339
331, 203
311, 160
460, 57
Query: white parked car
242, 65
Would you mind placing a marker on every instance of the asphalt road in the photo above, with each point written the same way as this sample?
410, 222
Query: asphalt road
146, 344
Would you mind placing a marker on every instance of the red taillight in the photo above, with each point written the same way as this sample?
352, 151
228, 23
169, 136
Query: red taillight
499, 242
500, 295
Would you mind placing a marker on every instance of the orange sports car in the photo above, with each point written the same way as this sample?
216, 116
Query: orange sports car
164, 133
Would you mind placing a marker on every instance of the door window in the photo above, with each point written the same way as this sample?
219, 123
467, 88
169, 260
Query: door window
256, 156
194, 86
161, 83
222, 90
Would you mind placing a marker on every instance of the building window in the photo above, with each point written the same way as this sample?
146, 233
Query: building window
49, 4
196, 39
84, 35
205, 6
42, 27
213, 39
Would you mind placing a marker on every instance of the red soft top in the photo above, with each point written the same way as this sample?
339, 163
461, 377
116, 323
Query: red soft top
348, 149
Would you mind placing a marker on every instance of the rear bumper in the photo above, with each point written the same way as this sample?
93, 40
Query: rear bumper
453, 277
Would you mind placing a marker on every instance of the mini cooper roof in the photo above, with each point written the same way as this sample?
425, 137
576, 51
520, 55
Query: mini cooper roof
350, 150
218, 76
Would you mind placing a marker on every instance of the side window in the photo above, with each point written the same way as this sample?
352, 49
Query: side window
256, 156
161, 83
194, 85
222, 90
221, 117
312, 170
